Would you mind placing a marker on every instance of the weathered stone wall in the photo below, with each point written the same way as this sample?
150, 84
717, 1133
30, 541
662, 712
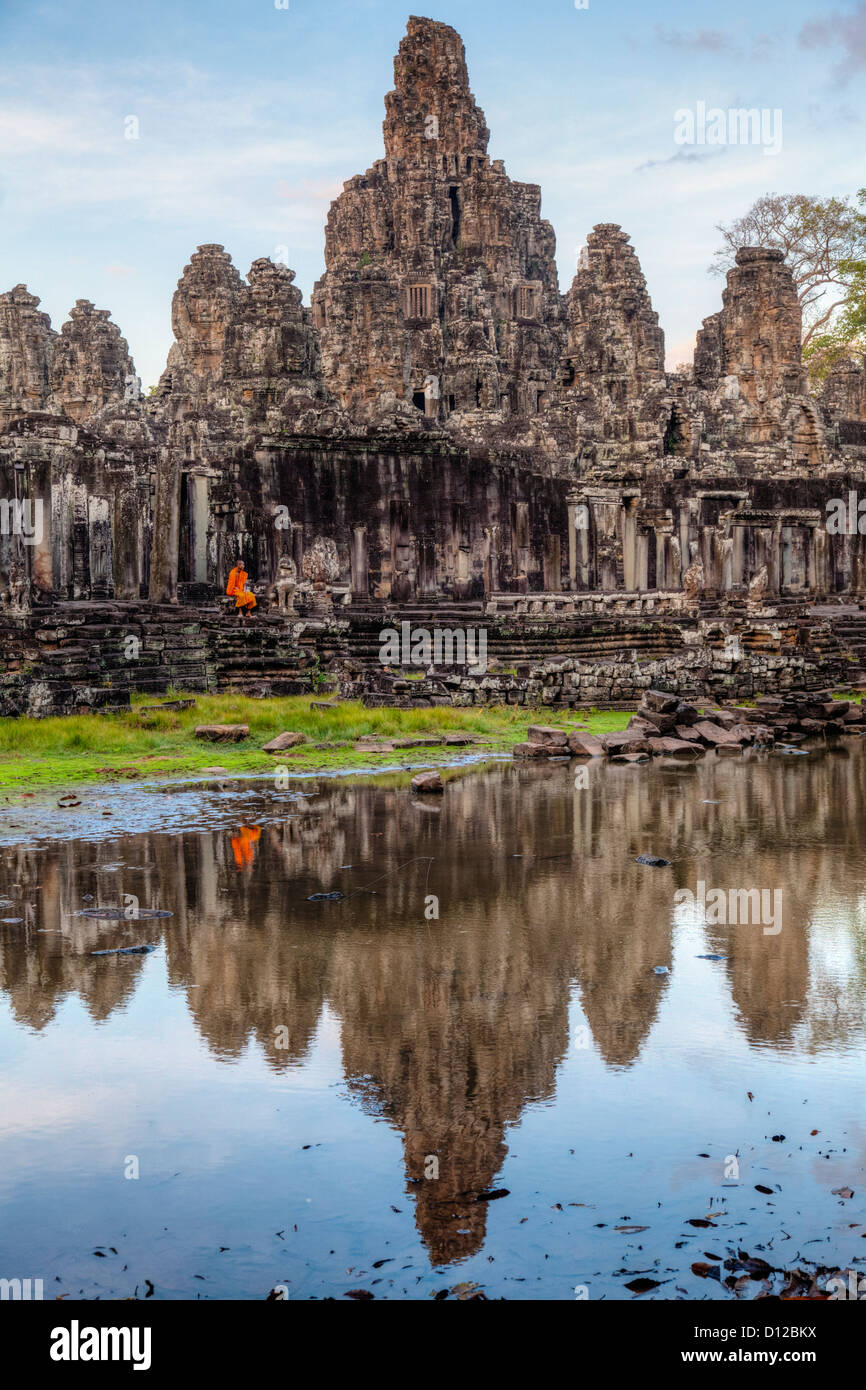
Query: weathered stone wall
76, 658
691, 673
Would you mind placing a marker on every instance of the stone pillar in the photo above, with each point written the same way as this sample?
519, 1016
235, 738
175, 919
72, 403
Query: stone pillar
629, 543
199, 515
126, 549
767, 553
552, 564
661, 560
708, 559
605, 516
491, 560
816, 560
643, 560
99, 548
579, 568
685, 535
166, 519
727, 549
358, 562
775, 567
41, 573
738, 563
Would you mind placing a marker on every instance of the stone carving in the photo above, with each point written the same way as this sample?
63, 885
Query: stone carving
17, 598
321, 568
321, 564
758, 587
285, 584
693, 579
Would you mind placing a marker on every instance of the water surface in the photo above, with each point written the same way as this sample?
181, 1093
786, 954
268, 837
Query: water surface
309, 1089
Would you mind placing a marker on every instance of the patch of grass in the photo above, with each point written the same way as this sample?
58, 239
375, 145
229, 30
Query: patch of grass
161, 744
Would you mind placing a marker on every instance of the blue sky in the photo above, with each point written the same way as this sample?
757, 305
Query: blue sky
251, 117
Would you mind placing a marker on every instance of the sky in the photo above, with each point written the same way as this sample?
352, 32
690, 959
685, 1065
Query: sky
250, 114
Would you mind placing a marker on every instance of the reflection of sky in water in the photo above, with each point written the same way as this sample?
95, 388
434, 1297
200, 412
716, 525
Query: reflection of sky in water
459, 1037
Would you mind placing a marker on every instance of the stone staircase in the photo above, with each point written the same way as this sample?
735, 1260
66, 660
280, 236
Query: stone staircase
78, 657
850, 629
513, 643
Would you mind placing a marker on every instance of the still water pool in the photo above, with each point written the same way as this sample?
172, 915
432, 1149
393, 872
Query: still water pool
466, 1069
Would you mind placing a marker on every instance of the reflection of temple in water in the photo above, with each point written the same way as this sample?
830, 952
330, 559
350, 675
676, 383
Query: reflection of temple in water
451, 1026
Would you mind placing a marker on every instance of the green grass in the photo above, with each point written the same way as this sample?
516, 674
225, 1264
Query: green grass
104, 747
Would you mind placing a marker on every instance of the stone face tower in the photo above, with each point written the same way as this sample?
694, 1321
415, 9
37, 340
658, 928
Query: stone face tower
440, 294
756, 336
615, 355
26, 354
92, 365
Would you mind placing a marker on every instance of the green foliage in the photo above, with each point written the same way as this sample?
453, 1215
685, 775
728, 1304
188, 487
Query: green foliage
96, 747
846, 335
824, 243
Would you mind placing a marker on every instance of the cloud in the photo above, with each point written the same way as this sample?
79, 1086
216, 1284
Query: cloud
845, 30
702, 41
682, 157
30, 132
824, 117
199, 152
762, 48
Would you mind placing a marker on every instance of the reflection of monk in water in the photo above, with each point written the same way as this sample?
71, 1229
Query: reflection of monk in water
243, 845
237, 589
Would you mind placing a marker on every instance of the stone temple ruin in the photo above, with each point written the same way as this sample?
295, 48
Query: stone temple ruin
443, 436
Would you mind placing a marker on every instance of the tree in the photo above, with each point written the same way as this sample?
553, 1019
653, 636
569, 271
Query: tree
824, 243
845, 336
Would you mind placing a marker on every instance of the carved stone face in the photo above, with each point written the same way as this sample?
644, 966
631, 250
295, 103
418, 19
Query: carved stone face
321, 563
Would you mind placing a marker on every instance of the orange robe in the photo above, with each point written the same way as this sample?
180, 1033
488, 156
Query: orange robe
243, 845
237, 588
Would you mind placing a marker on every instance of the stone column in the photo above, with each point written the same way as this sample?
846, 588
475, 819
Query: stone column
738, 567
816, 560
643, 560
578, 543
199, 515
552, 562
685, 535
358, 562
661, 560
767, 553
607, 544
99, 547
708, 559
727, 549
166, 522
491, 560
629, 543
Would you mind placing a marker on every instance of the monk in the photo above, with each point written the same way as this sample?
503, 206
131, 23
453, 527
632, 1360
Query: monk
243, 845
237, 589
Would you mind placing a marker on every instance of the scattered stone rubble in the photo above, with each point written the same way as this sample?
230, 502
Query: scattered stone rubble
666, 725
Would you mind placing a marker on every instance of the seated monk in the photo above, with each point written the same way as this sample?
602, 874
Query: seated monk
237, 589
